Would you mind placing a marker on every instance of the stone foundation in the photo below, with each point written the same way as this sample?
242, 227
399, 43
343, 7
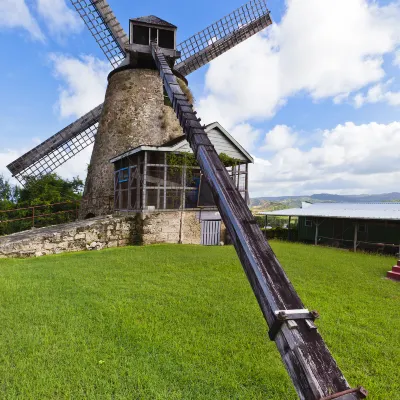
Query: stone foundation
166, 227
103, 232
94, 234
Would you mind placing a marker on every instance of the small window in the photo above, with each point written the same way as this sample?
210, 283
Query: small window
141, 35
362, 228
308, 222
166, 39
123, 175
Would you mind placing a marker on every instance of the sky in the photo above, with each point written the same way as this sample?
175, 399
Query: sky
315, 98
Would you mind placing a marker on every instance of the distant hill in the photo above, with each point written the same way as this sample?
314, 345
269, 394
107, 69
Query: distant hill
282, 202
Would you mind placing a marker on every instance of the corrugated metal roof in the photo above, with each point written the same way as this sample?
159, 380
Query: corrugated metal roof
385, 211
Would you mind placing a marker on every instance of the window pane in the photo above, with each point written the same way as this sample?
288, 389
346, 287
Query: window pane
193, 177
155, 157
191, 198
135, 200
174, 159
166, 39
123, 175
242, 182
174, 199
140, 35
206, 198
124, 199
155, 177
155, 198
174, 176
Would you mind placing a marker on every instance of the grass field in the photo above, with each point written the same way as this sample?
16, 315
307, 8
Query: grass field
181, 322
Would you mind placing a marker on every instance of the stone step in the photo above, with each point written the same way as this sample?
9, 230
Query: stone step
393, 275
396, 269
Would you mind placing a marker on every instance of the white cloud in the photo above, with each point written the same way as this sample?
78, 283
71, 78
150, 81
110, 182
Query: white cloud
324, 49
280, 137
77, 166
59, 18
85, 81
7, 156
16, 14
396, 59
349, 159
379, 93
246, 135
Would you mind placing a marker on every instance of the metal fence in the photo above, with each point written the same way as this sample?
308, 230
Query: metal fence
24, 218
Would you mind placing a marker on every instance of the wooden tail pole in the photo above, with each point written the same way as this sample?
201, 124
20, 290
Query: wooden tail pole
308, 361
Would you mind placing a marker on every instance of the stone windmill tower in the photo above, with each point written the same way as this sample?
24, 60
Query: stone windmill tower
133, 112
146, 64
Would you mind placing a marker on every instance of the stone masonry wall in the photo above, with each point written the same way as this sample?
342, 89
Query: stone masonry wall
93, 234
164, 227
133, 114
103, 232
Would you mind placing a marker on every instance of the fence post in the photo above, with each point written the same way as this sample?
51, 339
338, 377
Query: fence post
33, 217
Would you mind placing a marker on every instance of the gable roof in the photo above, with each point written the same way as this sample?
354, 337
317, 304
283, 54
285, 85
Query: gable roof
217, 125
383, 211
153, 20
180, 144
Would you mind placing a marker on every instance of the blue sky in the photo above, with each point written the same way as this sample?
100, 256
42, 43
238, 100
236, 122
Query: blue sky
315, 98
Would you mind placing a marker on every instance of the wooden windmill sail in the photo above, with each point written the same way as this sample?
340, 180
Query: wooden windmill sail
146, 64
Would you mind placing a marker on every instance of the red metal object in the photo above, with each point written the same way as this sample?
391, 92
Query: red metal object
35, 215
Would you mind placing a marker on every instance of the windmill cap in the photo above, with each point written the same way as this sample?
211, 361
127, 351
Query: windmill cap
153, 20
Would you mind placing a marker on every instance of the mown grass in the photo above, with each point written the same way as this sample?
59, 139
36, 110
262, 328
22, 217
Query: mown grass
181, 322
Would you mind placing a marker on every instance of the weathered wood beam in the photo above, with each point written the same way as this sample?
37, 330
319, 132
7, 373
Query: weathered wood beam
308, 361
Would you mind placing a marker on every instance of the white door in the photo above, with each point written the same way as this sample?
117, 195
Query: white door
210, 232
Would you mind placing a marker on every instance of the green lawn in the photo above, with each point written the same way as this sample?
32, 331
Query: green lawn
181, 322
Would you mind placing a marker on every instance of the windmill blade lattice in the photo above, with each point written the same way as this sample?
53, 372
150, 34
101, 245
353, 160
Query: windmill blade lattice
104, 27
223, 35
58, 149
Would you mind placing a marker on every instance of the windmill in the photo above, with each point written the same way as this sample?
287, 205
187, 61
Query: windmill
123, 51
146, 64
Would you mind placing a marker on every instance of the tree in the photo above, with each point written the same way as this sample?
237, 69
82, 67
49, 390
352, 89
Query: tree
43, 192
8, 194
50, 189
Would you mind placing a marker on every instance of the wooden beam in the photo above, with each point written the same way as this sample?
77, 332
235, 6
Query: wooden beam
310, 365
